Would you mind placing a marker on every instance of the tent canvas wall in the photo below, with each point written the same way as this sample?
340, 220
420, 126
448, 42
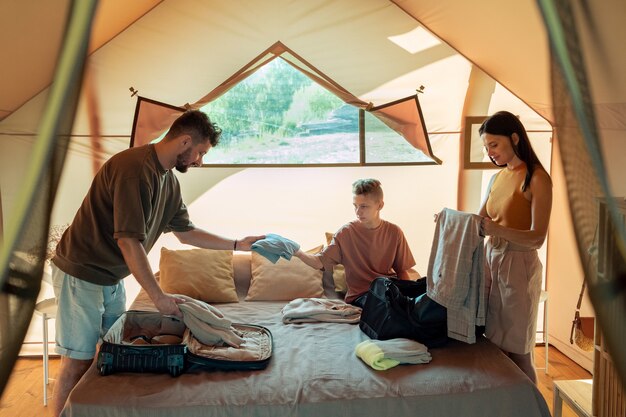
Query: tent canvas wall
472, 57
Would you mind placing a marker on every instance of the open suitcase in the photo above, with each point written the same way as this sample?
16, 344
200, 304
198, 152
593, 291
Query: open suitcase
145, 341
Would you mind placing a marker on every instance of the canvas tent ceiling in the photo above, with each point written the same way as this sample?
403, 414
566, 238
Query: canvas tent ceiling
31, 36
180, 50
506, 39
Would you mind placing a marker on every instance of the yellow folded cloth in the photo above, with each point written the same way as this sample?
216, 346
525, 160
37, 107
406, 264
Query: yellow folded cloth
373, 355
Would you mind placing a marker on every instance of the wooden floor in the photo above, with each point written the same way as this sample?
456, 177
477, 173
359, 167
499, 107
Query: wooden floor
23, 396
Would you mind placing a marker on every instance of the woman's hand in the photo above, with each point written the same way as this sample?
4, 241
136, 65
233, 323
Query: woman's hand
489, 227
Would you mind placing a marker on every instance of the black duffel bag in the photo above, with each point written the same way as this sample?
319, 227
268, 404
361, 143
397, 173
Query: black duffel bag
400, 308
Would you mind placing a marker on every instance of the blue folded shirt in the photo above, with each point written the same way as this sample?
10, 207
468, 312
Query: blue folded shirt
273, 247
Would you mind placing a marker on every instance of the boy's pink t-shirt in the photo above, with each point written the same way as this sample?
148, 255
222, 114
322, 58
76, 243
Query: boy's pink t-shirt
367, 254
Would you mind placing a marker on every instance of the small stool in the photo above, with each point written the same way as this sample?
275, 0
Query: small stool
47, 309
576, 393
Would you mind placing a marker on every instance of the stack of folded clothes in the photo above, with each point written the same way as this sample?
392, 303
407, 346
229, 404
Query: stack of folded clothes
385, 354
306, 310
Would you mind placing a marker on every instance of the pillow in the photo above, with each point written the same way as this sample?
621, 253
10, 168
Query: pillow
339, 272
285, 280
203, 274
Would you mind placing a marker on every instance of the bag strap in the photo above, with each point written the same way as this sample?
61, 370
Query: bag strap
576, 320
580, 297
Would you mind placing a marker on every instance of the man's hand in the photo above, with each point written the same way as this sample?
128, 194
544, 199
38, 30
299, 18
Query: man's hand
167, 304
246, 242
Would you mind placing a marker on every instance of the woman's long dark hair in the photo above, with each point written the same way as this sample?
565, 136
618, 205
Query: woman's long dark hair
504, 123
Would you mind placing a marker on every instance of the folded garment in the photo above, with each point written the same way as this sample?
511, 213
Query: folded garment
404, 350
307, 310
208, 324
385, 354
166, 339
204, 311
274, 246
374, 357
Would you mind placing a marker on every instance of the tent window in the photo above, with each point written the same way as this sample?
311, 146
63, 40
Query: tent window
279, 116
385, 145
280, 111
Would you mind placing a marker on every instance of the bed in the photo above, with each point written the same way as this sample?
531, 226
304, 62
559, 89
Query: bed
313, 372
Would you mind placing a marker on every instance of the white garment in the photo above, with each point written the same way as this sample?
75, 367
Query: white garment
207, 323
306, 310
455, 276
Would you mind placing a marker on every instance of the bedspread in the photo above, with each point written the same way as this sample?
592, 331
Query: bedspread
314, 371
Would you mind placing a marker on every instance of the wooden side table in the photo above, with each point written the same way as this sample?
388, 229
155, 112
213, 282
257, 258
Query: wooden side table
576, 393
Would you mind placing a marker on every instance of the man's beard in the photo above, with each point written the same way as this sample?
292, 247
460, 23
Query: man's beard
180, 161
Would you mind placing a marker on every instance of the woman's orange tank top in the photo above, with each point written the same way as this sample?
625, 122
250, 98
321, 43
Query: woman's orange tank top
506, 204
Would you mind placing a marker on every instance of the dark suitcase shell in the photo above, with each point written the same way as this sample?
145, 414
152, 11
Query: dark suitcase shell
258, 348
116, 355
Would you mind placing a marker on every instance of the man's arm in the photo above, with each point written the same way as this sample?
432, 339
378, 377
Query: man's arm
203, 239
137, 262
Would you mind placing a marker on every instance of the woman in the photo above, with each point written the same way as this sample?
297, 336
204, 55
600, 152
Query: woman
516, 211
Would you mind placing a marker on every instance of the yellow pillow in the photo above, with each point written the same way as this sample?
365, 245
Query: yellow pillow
339, 272
203, 274
283, 281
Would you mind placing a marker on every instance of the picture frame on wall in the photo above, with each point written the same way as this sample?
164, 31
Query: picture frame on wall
474, 155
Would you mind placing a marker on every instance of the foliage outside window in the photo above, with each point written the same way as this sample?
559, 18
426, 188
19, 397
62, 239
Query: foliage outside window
280, 116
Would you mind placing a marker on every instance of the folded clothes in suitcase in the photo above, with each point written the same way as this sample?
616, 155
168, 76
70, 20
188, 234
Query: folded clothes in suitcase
254, 353
143, 341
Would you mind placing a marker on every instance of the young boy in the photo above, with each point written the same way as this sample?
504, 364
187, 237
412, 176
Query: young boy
368, 247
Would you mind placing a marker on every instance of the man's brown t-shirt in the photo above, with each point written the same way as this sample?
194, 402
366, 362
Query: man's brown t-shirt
131, 196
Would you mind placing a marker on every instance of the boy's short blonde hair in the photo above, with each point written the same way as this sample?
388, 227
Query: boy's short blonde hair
368, 186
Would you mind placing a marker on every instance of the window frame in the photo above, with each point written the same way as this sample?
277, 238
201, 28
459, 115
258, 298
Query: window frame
400, 119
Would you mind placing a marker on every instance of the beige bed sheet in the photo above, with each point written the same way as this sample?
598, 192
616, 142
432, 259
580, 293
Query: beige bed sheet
314, 372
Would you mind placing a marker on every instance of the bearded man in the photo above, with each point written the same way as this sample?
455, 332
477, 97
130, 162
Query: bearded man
133, 199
